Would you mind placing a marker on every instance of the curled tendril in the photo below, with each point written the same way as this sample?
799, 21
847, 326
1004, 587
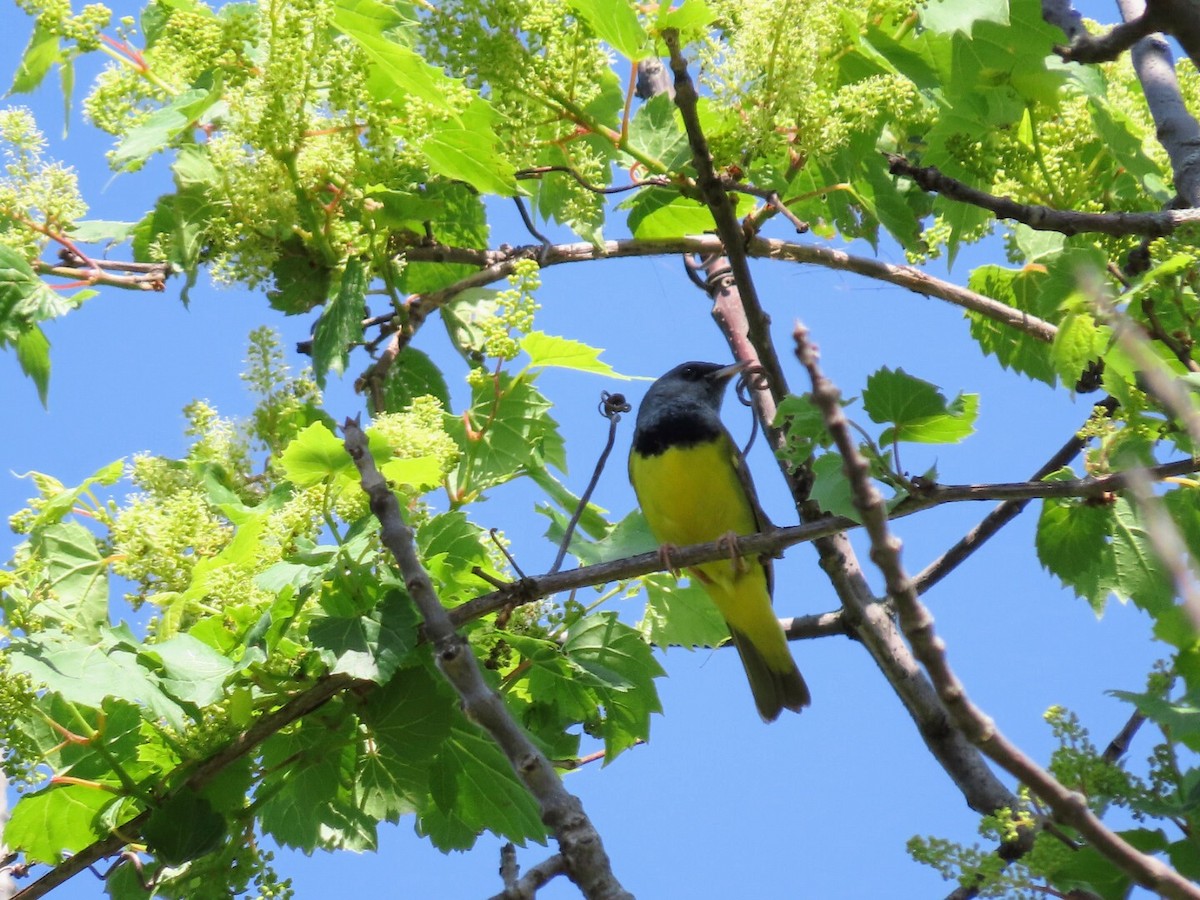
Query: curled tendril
751, 378
611, 405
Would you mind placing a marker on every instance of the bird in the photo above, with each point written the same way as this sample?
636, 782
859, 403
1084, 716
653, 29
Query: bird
693, 487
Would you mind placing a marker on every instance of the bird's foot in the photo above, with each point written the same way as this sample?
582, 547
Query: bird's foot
729, 541
665, 553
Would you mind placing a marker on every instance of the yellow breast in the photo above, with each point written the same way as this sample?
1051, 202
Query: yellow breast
692, 494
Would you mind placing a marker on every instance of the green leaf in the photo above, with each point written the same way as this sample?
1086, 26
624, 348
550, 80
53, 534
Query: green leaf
40, 54
87, 673
655, 132
557, 697
176, 229
403, 210
116, 731
679, 616
948, 16
549, 351
803, 428
408, 720
184, 828
513, 430
162, 127
33, 355
340, 324
97, 231
615, 21
831, 487
1075, 346
374, 26
663, 213
468, 150
1024, 289
315, 455
302, 281
1089, 870
688, 17
419, 473
452, 547
591, 523
57, 819
1122, 138
56, 506
25, 299
474, 786
369, 647
1183, 504
628, 537
623, 668
463, 316
1139, 573
308, 767
1180, 718
192, 670
76, 576
1073, 542
917, 409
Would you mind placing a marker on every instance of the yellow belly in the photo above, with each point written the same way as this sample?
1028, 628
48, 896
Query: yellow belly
691, 495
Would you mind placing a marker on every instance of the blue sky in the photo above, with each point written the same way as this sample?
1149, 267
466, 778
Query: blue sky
718, 804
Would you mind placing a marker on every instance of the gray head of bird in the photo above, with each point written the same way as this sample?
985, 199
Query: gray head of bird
689, 387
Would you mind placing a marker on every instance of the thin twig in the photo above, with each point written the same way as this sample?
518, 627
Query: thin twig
509, 870
772, 200
611, 407
151, 280
1069, 807
1119, 745
538, 171
532, 229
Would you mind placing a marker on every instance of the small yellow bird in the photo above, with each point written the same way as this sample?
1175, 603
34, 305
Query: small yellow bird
693, 486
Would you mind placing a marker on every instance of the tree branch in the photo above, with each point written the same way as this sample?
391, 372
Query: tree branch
1096, 48
749, 337
1176, 128
201, 774
498, 264
769, 543
140, 277
1043, 218
1065, 16
1176, 17
582, 849
525, 887
998, 517
916, 621
743, 321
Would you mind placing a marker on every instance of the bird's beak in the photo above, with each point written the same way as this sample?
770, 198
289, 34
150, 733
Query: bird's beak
723, 375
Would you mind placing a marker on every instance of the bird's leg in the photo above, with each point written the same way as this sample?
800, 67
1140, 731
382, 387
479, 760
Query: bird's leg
728, 541
665, 552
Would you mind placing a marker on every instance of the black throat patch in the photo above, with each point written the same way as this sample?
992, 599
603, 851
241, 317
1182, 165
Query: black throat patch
679, 430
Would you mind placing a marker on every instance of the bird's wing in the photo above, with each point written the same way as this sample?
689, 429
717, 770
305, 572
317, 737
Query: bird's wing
761, 522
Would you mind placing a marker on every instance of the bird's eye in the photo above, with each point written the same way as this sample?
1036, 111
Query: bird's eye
689, 372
